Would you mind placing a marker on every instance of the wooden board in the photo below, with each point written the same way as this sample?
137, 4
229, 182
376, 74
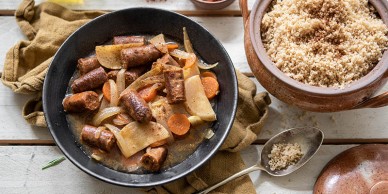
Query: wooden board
7, 7
352, 126
10, 34
21, 173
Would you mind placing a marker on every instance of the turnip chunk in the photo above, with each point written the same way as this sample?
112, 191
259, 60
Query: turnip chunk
197, 103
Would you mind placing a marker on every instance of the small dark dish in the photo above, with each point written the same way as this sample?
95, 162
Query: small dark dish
220, 4
136, 21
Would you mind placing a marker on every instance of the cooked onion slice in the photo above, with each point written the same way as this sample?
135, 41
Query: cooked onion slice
139, 82
104, 114
209, 133
190, 58
122, 119
114, 94
96, 157
203, 65
180, 54
187, 42
123, 146
120, 80
104, 104
195, 120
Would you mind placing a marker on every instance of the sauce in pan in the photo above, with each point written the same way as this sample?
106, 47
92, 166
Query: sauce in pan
180, 149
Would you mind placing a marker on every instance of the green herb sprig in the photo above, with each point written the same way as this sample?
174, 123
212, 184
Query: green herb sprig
54, 162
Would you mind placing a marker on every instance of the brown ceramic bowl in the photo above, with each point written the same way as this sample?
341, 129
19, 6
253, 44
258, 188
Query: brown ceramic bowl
358, 94
220, 4
361, 169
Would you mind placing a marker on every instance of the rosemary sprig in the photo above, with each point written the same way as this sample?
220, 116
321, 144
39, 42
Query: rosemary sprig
54, 162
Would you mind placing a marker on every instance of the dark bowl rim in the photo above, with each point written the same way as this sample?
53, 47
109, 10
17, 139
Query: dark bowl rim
126, 184
378, 72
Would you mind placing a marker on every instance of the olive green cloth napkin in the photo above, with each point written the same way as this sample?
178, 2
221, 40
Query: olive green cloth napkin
48, 25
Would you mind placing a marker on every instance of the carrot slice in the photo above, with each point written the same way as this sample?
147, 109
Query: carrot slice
211, 87
179, 124
148, 93
106, 91
208, 74
172, 46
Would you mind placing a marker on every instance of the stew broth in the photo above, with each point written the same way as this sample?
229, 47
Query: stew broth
178, 151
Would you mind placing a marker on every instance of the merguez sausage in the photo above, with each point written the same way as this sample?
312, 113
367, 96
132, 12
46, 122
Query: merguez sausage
137, 106
128, 39
153, 159
175, 85
136, 56
90, 81
84, 101
98, 137
87, 64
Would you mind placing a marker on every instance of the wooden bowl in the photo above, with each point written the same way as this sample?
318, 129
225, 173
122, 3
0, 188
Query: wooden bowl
203, 4
361, 169
357, 94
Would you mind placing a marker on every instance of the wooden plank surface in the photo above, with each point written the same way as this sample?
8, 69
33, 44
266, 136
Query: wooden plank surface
7, 7
21, 173
352, 126
356, 126
232, 40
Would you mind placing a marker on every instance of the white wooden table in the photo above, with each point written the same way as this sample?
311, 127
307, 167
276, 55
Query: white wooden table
25, 149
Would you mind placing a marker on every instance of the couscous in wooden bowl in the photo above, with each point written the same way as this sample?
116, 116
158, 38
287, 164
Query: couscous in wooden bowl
358, 94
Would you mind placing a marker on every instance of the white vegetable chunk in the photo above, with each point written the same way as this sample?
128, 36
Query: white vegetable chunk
109, 55
140, 135
196, 101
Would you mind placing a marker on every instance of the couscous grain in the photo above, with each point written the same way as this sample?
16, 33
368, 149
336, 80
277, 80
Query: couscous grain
326, 43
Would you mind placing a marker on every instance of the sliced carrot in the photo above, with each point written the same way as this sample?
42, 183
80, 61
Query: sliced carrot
106, 91
172, 46
208, 74
179, 124
211, 87
148, 93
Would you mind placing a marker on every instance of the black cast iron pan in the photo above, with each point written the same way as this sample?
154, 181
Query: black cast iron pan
136, 21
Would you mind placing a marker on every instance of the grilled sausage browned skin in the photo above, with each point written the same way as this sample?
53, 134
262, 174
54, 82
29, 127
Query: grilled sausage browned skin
87, 64
137, 106
136, 56
84, 101
128, 39
153, 159
130, 75
90, 81
98, 137
175, 85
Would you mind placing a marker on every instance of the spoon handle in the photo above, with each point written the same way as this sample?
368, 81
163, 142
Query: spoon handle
241, 173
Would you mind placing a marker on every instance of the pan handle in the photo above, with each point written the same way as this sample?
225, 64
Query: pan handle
375, 102
244, 11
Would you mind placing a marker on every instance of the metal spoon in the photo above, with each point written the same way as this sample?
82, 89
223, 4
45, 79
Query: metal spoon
309, 138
